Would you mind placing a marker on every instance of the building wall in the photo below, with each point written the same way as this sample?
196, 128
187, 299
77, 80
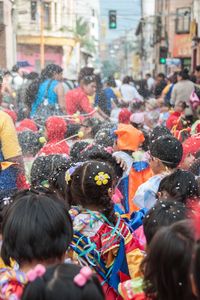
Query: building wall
7, 35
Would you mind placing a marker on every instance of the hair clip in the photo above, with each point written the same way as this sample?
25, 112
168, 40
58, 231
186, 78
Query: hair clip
67, 177
84, 275
38, 271
101, 178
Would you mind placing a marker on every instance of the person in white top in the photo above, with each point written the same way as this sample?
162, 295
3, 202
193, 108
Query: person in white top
128, 91
17, 78
150, 82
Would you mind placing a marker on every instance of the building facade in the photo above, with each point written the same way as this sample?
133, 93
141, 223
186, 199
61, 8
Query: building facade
195, 33
7, 34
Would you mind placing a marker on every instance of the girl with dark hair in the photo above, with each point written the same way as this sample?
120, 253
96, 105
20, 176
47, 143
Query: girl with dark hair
45, 95
101, 239
166, 267
65, 282
36, 229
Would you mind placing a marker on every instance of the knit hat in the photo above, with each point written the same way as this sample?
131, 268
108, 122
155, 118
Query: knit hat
27, 124
168, 149
124, 116
128, 137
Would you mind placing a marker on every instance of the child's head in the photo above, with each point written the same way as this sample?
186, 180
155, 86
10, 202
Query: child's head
36, 229
163, 214
64, 281
72, 129
165, 153
91, 186
44, 167
180, 106
166, 267
180, 185
77, 148
27, 124
190, 148
55, 128
90, 127
104, 138
124, 116
158, 132
29, 142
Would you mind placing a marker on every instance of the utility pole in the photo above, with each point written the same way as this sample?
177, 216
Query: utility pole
42, 42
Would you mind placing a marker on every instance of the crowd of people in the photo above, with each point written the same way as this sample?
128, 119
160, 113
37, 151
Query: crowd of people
99, 186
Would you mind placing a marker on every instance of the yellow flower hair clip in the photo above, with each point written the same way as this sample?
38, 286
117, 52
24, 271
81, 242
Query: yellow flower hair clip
67, 177
101, 178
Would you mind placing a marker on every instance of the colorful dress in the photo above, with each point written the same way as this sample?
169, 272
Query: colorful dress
111, 250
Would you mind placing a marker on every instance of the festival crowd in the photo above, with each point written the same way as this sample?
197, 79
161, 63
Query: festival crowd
99, 186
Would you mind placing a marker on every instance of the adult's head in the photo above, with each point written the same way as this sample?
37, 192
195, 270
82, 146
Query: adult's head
36, 229
183, 75
52, 71
167, 266
127, 80
87, 80
160, 77
148, 75
165, 153
162, 214
197, 72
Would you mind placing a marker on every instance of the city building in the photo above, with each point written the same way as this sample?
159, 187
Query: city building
7, 34
195, 33
44, 24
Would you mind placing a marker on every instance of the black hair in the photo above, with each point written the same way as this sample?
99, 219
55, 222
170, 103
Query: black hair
104, 138
100, 154
32, 76
184, 74
166, 268
148, 74
127, 79
58, 283
111, 81
168, 150
76, 150
197, 68
86, 190
44, 167
72, 129
180, 185
158, 131
15, 68
57, 181
94, 124
195, 167
161, 75
29, 142
36, 226
47, 73
86, 76
196, 266
163, 213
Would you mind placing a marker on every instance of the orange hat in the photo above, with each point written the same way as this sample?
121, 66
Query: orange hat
128, 137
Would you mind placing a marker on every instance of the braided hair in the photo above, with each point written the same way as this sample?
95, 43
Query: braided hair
32, 90
90, 185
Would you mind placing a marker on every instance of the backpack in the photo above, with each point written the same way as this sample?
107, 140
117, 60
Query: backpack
195, 98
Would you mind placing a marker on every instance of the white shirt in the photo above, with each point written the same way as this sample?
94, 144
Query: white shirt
129, 93
150, 83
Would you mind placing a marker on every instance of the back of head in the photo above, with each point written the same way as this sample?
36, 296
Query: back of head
44, 166
36, 228
167, 265
159, 131
168, 150
104, 138
180, 185
91, 186
164, 213
58, 283
77, 148
56, 128
85, 72
184, 74
29, 142
15, 68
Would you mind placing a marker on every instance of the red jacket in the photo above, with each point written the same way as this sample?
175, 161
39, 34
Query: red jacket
77, 100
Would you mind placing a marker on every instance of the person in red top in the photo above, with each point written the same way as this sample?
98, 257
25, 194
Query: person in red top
55, 129
175, 116
77, 99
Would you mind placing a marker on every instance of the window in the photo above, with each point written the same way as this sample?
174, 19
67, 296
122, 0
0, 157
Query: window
55, 12
183, 20
47, 15
33, 10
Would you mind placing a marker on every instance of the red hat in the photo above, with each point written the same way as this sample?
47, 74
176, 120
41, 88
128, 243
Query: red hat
27, 124
56, 128
191, 146
12, 114
128, 137
124, 116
